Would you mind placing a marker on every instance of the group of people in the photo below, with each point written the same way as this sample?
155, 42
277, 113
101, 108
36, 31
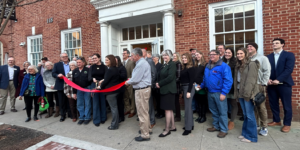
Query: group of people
217, 85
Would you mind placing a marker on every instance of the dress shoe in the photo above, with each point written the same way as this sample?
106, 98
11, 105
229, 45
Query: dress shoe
80, 122
102, 122
62, 119
242, 118
131, 115
171, 130
274, 124
74, 120
121, 120
28, 119
2, 112
126, 113
140, 139
177, 119
137, 119
197, 120
221, 134
164, 135
212, 129
35, 118
160, 116
202, 120
13, 110
192, 128
152, 125
286, 129
86, 122
186, 132
97, 125
112, 128
230, 125
141, 133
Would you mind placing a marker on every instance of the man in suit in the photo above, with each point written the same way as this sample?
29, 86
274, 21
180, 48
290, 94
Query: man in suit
59, 70
129, 93
153, 82
280, 84
8, 83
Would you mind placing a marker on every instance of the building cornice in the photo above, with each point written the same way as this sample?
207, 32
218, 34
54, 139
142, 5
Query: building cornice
101, 4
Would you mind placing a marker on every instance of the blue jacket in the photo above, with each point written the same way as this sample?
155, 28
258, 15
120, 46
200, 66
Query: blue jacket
218, 78
39, 85
4, 76
285, 67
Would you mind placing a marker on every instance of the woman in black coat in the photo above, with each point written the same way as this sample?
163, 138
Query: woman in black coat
177, 60
231, 61
120, 97
111, 78
155, 91
200, 95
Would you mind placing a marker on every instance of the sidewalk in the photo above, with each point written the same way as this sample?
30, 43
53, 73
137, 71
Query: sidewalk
123, 138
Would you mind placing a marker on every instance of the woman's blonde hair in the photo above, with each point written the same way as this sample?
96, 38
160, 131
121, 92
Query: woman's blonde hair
202, 60
178, 57
189, 61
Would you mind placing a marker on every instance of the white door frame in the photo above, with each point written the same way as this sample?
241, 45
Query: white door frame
1, 54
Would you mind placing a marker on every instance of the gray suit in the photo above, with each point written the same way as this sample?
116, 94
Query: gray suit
153, 79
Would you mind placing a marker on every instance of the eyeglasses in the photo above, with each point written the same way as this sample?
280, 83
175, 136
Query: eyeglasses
94, 58
64, 56
212, 55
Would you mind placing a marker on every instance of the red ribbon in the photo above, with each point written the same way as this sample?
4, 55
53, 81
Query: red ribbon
75, 86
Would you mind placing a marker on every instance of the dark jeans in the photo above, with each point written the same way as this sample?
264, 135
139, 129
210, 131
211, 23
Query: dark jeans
28, 101
120, 101
50, 98
63, 102
201, 104
99, 107
73, 107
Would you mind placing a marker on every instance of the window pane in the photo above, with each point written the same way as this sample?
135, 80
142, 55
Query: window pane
38, 48
238, 11
159, 29
228, 39
66, 40
152, 30
239, 38
131, 33
41, 48
249, 10
249, 23
228, 12
145, 31
74, 43
78, 43
219, 14
239, 24
138, 32
250, 37
219, 39
219, 26
70, 41
239, 46
228, 25
34, 42
125, 34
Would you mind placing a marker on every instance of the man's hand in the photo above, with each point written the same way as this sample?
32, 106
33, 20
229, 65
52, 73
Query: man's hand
188, 95
270, 82
20, 97
52, 87
60, 75
222, 97
126, 83
75, 96
198, 86
68, 96
275, 82
157, 85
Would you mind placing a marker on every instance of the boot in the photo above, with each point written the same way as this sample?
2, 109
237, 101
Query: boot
50, 112
230, 125
203, 115
56, 111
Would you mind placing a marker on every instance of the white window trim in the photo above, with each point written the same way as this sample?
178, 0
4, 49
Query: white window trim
258, 21
29, 45
62, 35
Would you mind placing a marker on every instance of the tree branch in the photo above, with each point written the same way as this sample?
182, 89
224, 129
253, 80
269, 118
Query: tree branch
6, 20
27, 3
2, 13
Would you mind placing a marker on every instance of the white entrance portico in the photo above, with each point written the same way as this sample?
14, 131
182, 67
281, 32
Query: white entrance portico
127, 23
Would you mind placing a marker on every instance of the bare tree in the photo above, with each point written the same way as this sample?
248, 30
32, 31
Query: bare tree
7, 8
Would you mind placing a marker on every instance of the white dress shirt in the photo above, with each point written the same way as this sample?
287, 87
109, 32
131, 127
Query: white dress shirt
11, 71
276, 57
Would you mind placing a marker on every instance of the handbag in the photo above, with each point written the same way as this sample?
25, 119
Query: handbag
44, 105
259, 98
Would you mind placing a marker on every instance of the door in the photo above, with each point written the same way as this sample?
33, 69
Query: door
156, 46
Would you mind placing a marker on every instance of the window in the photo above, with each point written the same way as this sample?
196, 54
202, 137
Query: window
142, 32
71, 42
35, 49
235, 24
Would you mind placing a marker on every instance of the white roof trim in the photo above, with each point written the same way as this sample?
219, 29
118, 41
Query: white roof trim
100, 4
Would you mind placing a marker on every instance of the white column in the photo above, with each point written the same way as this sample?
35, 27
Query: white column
169, 30
104, 40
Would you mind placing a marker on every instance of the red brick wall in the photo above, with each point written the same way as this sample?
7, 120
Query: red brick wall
82, 13
7, 39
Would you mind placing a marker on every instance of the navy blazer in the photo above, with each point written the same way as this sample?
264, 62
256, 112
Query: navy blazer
4, 76
39, 85
285, 66
58, 69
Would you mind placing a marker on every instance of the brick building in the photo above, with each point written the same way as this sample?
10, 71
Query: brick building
84, 27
